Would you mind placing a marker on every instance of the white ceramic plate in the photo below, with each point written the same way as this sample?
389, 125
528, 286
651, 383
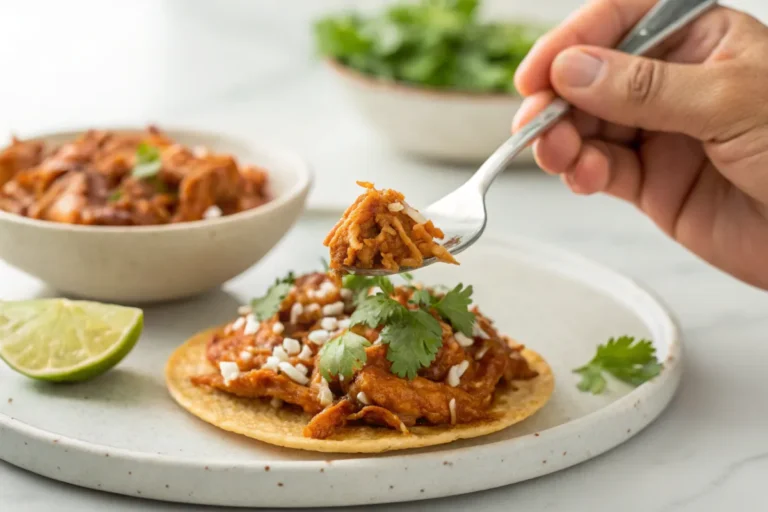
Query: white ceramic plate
122, 433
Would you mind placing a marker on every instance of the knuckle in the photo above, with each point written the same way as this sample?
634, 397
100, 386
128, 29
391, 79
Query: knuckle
645, 81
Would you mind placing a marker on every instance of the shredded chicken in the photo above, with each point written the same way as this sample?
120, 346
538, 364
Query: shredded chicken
90, 181
380, 230
390, 401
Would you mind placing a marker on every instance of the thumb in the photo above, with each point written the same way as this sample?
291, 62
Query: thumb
635, 91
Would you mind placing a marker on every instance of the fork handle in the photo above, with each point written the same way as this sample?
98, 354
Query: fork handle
664, 19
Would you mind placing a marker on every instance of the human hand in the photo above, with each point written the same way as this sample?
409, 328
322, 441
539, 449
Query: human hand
682, 135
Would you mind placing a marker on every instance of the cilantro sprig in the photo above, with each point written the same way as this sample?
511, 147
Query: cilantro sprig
630, 361
413, 336
360, 286
265, 307
148, 162
343, 355
414, 340
440, 44
378, 310
453, 306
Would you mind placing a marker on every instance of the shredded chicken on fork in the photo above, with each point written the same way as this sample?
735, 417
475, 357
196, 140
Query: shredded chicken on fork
381, 231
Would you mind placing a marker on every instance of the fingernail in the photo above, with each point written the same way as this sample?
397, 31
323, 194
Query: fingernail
577, 68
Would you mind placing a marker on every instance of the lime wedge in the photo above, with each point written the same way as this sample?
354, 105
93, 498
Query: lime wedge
64, 340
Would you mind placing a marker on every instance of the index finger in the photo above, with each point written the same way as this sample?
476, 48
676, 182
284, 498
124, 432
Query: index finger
600, 23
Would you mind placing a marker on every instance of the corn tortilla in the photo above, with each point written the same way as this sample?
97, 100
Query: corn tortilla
257, 419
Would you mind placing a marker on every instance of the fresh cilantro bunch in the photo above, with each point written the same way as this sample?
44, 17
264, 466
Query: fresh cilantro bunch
265, 307
431, 43
413, 336
624, 358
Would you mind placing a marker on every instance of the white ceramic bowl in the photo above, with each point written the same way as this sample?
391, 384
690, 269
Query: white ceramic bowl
447, 126
142, 264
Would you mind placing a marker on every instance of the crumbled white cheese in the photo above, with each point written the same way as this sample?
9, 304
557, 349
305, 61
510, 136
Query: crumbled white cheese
278, 328
244, 310
212, 212
375, 291
229, 370
303, 369
328, 287
245, 355
251, 325
319, 336
292, 346
463, 340
344, 324
312, 307
395, 207
363, 398
478, 331
329, 323
324, 393
455, 372
280, 353
334, 309
238, 323
378, 341
292, 373
415, 215
480, 353
296, 310
271, 364
305, 354
346, 293
452, 409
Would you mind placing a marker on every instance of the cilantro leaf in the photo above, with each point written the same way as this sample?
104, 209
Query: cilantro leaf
148, 162
454, 307
629, 361
377, 310
385, 284
360, 285
413, 342
422, 298
267, 306
342, 355
592, 379
115, 196
408, 277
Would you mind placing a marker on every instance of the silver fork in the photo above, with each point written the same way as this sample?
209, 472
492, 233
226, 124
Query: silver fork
462, 214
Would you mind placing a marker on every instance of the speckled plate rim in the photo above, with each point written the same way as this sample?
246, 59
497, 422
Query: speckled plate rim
583, 438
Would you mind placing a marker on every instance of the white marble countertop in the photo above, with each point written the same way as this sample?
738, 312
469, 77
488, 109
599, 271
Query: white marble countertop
246, 66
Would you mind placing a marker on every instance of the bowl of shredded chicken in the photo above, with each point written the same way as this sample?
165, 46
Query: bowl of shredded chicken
142, 215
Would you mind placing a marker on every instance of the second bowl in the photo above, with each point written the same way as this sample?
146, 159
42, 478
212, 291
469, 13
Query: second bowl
144, 264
